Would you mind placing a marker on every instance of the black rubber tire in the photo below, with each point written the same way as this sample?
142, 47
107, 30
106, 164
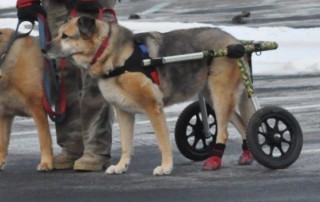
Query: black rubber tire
189, 135
281, 144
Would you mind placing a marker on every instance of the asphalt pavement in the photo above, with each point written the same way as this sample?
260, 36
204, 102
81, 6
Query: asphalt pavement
20, 181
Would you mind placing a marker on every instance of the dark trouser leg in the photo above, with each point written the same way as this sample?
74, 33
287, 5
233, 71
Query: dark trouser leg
69, 132
87, 126
97, 118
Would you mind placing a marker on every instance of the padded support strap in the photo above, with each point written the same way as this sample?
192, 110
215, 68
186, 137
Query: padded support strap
236, 51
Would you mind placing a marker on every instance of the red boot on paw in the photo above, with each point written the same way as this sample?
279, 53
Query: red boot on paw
212, 163
246, 158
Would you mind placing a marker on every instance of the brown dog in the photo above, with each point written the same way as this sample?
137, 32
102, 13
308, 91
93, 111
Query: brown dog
21, 94
84, 40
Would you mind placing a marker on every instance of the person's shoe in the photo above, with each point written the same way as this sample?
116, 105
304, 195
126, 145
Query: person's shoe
92, 162
64, 161
212, 163
246, 158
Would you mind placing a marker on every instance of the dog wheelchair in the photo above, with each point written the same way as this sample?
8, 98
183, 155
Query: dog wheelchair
274, 135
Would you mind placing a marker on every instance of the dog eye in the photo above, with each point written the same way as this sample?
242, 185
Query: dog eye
64, 36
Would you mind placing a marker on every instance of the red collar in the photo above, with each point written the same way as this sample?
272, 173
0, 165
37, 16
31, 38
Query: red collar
100, 51
103, 46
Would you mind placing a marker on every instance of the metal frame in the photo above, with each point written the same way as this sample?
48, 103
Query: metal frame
248, 47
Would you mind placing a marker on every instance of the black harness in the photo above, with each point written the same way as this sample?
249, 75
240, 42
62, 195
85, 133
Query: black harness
135, 64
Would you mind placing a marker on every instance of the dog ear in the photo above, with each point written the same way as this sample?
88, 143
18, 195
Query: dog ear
87, 26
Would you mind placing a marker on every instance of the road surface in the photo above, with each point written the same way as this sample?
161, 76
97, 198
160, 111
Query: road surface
299, 94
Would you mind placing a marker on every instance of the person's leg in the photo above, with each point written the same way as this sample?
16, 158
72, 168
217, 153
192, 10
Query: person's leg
69, 132
87, 120
97, 118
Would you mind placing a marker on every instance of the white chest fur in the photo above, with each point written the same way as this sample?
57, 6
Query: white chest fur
116, 96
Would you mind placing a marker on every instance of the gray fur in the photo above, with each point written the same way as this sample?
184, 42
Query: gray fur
180, 81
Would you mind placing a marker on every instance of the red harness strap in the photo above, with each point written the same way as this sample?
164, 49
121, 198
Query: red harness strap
105, 40
50, 82
155, 77
153, 72
100, 50
23, 3
62, 97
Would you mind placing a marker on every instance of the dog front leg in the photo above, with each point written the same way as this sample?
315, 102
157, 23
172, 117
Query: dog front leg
5, 128
126, 123
41, 121
158, 121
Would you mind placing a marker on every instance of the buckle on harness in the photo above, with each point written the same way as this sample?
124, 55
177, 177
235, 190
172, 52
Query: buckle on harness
153, 72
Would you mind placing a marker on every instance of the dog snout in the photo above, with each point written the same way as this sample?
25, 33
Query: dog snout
46, 48
50, 51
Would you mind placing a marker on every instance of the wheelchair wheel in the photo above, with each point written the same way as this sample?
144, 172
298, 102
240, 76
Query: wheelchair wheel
190, 138
274, 137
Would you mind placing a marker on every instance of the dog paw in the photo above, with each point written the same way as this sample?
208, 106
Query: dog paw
162, 170
212, 163
115, 169
44, 167
246, 158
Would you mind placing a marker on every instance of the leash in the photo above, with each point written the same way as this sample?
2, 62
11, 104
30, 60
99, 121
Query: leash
54, 95
105, 40
50, 82
16, 35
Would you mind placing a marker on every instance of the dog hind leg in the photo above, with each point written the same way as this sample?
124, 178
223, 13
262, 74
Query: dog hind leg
223, 87
126, 123
5, 129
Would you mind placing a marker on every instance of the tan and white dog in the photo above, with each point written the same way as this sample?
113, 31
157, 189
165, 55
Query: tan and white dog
21, 94
104, 49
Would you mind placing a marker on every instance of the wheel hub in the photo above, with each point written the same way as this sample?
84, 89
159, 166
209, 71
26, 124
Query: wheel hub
276, 137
